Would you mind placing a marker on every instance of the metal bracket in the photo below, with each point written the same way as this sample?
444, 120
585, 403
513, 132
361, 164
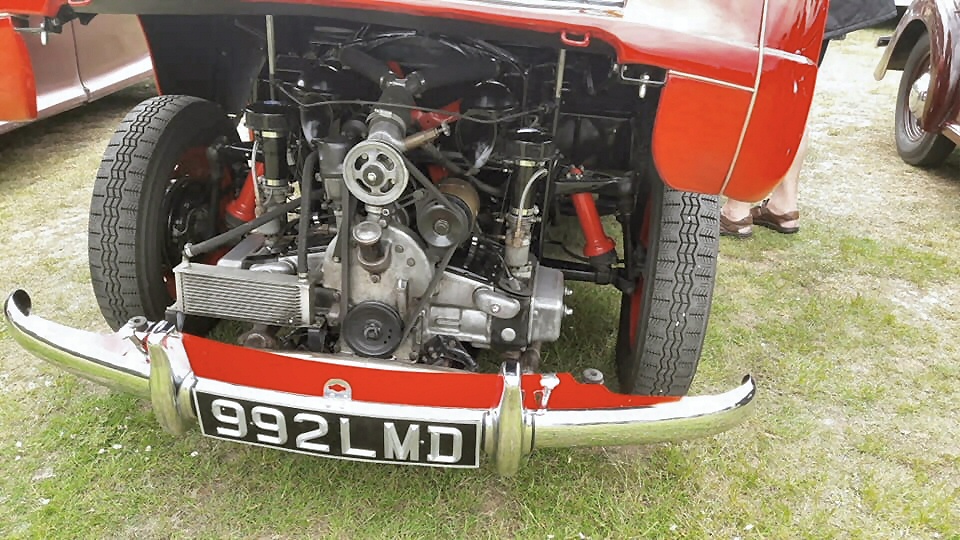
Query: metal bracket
644, 81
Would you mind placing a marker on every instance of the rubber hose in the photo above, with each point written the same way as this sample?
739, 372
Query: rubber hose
306, 189
446, 162
473, 69
192, 250
365, 65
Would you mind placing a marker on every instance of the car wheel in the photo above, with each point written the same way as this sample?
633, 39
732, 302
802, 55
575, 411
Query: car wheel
915, 145
153, 194
664, 321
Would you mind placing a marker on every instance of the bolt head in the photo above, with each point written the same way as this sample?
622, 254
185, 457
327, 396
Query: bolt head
567, 310
593, 376
508, 334
495, 308
372, 330
375, 278
441, 227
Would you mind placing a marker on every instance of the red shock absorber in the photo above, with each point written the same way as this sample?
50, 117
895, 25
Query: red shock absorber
243, 208
598, 247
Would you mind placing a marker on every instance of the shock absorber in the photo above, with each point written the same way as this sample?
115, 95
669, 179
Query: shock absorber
270, 122
531, 151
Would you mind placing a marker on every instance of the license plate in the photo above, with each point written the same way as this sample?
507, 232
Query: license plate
342, 436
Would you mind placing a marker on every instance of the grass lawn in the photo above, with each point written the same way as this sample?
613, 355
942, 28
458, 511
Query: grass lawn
850, 327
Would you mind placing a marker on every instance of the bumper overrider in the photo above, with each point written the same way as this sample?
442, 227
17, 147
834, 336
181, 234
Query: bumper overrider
365, 409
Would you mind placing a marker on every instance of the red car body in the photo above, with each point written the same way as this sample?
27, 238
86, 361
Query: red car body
739, 79
83, 63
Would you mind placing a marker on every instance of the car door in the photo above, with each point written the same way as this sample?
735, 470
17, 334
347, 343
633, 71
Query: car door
111, 53
59, 87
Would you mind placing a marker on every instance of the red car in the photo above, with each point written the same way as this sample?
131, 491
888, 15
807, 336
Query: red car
927, 125
44, 74
394, 215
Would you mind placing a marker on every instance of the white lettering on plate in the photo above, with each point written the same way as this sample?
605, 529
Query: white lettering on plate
345, 447
436, 432
408, 450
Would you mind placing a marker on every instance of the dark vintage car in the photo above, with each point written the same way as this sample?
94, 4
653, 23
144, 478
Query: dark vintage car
924, 48
392, 227
45, 74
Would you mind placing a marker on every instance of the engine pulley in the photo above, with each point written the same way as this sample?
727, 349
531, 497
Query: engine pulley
442, 226
374, 173
372, 329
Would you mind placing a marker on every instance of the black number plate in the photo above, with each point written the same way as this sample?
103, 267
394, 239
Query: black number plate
341, 436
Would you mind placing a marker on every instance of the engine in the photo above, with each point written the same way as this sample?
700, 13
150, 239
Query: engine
401, 183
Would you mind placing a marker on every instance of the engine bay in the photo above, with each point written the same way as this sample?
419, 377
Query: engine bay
398, 195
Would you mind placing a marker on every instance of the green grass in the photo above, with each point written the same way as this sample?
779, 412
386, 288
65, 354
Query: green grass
850, 327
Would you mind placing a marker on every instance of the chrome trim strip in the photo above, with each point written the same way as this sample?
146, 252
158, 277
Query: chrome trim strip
717, 82
608, 5
152, 364
753, 98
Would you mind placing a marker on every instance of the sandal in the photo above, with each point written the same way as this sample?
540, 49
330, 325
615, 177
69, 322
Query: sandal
765, 218
729, 227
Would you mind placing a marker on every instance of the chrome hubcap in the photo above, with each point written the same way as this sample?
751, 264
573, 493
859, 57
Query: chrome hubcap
918, 94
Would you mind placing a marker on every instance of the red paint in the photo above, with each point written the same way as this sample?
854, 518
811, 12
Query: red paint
696, 133
577, 41
571, 395
437, 172
395, 68
781, 108
794, 26
31, 7
260, 369
597, 242
430, 120
721, 46
244, 206
18, 90
711, 38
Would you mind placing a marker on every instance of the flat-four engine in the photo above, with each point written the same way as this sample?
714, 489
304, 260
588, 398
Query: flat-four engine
423, 168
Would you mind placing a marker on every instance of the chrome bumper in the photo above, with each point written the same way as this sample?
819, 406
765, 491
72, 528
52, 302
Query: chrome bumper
154, 365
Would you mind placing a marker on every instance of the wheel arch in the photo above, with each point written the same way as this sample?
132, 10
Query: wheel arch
936, 20
207, 56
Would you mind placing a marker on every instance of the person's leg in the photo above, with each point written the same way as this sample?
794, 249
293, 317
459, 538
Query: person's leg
784, 198
735, 218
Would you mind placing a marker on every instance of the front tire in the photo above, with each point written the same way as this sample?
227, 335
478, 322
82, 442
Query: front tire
916, 146
664, 322
152, 194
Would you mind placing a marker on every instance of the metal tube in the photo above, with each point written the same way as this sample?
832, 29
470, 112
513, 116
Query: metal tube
271, 57
192, 250
257, 195
558, 88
